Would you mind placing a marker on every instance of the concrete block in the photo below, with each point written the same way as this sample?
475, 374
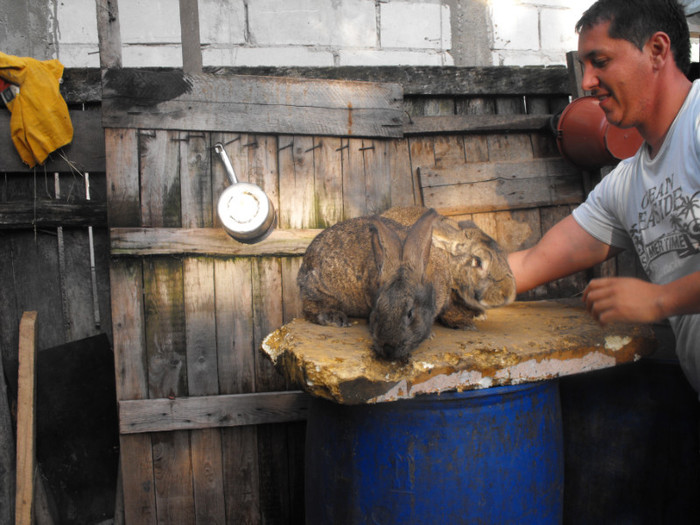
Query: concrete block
393, 58
222, 22
166, 55
77, 23
415, 25
149, 22
558, 28
528, 58
266, 56
79, 55
515, 26
312, 23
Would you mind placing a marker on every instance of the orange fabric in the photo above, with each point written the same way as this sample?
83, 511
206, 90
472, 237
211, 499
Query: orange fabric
40, 122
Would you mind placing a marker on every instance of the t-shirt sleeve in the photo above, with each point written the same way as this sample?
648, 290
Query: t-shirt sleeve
598, 215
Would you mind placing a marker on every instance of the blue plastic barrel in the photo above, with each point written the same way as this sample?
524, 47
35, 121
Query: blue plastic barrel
490, 456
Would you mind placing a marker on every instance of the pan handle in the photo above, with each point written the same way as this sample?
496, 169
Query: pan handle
219, 148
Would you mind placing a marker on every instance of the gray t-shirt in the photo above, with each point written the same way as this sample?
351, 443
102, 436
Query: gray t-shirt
653, 207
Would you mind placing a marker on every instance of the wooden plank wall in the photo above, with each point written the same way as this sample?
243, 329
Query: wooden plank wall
204, 436
188, 321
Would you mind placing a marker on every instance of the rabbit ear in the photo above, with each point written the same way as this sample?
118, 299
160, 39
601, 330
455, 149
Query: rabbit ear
386, 246
416, 250
451, 238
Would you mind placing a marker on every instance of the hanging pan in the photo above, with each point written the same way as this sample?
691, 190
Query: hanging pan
244, 209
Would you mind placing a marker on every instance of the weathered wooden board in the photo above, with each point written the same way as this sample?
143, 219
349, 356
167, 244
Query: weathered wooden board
26, 421
493, 194
44, 213
201, 412
195, 305
82, 85
434, 80
86, 151
422, 125
174, 100
522, 342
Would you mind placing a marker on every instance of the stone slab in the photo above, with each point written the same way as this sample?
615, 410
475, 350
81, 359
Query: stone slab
522, 342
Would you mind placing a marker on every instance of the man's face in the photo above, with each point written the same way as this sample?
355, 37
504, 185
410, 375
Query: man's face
617, 73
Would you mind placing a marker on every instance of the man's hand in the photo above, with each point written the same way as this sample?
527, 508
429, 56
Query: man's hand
623, 299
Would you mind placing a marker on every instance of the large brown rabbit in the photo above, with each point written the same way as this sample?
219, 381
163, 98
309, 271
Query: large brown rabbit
373, 267
478, 266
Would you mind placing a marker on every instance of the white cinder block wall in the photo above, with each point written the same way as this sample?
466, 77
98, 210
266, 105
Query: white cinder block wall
317, 32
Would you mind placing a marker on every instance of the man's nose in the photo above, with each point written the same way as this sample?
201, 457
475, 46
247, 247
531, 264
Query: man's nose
589, 80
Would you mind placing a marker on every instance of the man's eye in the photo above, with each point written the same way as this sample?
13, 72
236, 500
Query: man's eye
599, 63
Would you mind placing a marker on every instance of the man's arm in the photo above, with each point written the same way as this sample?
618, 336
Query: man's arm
565, 249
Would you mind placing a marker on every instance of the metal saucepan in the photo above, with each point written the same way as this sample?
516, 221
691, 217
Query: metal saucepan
245, 210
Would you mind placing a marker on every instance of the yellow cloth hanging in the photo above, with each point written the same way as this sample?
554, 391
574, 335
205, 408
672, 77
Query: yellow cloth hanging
40, 122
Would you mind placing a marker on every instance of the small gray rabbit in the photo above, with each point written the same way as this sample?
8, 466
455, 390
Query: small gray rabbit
374, 267
480, 277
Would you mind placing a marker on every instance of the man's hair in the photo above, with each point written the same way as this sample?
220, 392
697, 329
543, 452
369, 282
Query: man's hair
636, 20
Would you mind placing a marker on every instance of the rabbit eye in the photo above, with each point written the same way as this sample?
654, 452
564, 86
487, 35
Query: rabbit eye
409, 314
475, 262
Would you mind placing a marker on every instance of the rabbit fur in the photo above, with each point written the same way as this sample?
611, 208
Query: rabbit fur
376, 268
480, 277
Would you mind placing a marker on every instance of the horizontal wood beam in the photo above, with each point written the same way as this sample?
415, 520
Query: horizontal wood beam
435, 80
496, 186
189, 413
82, 85
474, 124
42, 213
134, 98
206, 241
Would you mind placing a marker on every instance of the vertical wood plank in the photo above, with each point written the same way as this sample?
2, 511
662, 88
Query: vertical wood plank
200, 327
128, 328
422, 151
354, 198
303, 207
167, 377
159, 152
296, 181
236, 354
202, 376
403, 190
328, 181
272, 445
197, 208
137, 479
131, 382
108, 33
449, 151
122, 167
377, 176
189, 30
26, 420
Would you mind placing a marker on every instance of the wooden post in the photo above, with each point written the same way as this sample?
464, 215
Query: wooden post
189, 28
26, 431
109, 34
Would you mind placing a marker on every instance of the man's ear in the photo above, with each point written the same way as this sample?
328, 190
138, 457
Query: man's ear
659, 45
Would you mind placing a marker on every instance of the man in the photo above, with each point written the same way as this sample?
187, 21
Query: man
635, 54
